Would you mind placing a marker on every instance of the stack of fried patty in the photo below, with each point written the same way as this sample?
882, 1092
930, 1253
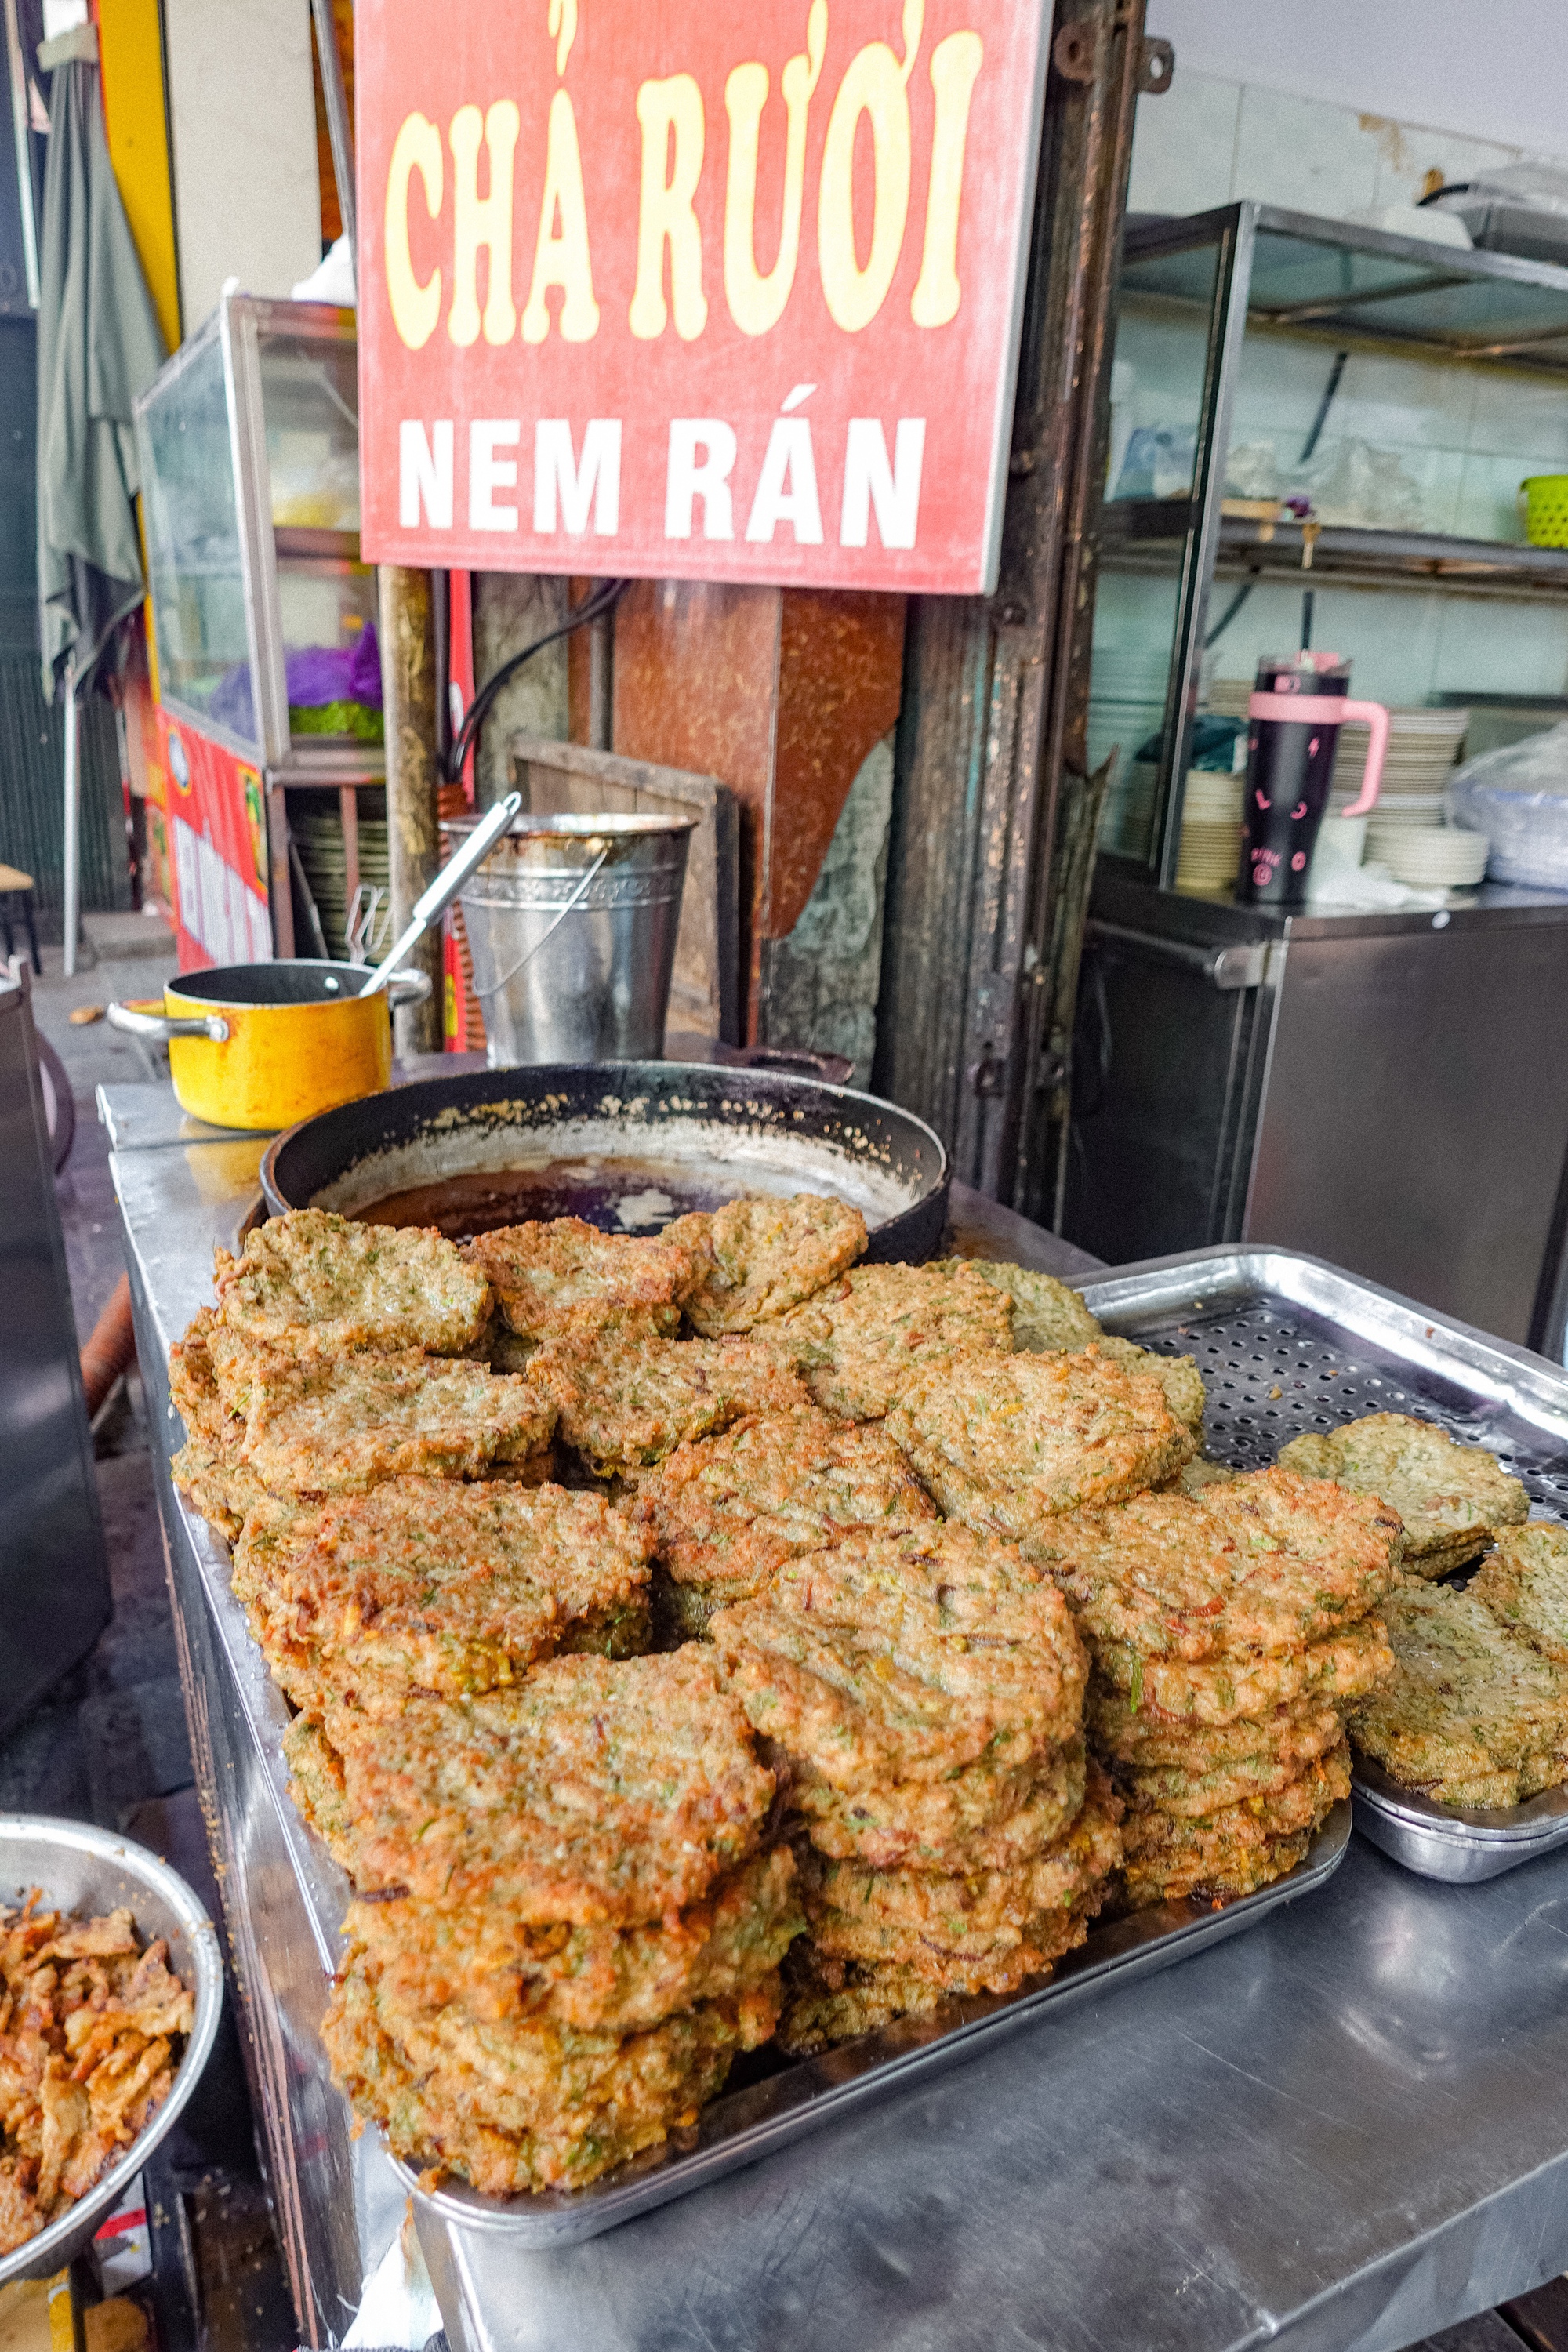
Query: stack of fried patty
924, 1692
1229, 1632
568, 1923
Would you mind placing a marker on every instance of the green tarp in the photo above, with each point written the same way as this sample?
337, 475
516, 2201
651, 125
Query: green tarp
100, 347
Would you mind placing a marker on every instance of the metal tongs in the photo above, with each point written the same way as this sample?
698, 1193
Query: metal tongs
446, 887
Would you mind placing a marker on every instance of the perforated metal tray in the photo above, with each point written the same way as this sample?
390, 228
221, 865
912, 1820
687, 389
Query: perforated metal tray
1287, 1344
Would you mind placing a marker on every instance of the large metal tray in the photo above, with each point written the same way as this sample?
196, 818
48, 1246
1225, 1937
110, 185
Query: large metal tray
1284, 1344
746, 2123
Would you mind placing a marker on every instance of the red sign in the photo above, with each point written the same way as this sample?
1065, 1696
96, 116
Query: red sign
719, 292
218, 850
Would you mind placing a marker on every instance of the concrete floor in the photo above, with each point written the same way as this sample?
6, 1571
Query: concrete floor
109, 1745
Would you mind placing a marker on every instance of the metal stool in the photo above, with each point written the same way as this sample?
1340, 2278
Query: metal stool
15, 884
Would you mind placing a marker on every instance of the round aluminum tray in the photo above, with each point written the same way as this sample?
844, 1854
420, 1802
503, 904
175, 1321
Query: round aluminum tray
1454, 1841
89, 1871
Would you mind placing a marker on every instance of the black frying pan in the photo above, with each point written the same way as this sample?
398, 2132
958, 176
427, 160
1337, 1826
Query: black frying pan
627, 1145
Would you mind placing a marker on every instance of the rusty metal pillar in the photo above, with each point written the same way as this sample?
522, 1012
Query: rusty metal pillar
412, 838
993, 806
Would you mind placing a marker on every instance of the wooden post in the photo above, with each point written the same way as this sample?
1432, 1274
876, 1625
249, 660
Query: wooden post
412, 838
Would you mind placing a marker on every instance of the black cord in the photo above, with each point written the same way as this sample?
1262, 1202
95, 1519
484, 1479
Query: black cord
1323, 406
592, 608
1230, 613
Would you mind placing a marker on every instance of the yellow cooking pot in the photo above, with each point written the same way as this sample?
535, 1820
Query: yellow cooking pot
263, 1044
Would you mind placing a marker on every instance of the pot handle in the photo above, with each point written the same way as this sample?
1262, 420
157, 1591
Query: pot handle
407, 988
159, 1027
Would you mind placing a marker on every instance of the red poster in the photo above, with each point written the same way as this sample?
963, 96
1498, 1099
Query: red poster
218, 851
717, 292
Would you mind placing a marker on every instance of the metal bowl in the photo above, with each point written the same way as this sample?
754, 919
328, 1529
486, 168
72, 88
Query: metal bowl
88, 1871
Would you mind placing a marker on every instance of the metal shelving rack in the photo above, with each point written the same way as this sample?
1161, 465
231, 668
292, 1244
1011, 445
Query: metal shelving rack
1252, 268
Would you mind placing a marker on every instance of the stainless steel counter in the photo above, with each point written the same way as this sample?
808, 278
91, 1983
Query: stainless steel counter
1344, 2130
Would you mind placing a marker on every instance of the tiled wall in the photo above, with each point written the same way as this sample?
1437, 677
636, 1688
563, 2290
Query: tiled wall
1205, 141
1467, 435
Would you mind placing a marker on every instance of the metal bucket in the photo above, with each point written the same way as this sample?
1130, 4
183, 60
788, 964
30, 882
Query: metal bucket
570, 922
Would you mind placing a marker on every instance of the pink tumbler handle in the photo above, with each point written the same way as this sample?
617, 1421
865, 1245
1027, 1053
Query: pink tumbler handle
1376, 718
1333, 710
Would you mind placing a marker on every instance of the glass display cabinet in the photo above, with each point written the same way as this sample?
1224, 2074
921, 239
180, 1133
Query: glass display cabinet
268, 674
1300, 403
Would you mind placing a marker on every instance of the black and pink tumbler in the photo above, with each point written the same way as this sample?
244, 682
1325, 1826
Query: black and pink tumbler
1298, 707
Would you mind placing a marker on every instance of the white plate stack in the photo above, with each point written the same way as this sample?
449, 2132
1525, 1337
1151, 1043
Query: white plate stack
1211, 832
1423, 746
1436, 857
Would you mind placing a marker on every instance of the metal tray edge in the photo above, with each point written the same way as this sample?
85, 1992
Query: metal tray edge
1534, 1386
818, 2090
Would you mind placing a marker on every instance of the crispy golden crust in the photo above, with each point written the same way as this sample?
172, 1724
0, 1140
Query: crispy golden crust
316, 1786
725, 1512
1152, 1839
481, 1961
318, 1424
1183, 1793
516, 2105
423, 1583
1264, 1563
89, 2025
1197, 1473
1150, 1742
1178, 1376
1008, 1443
565, 1276
976, 1820
1048, 1315
906, 1658
623, 1404
1451, 1497
1524, 1585
353, 1286
597, 1791
218, 1485
922, 1919
828, 2000
862, 1342
756, 1258
1469, 1703
1221, 1874
1225, 1690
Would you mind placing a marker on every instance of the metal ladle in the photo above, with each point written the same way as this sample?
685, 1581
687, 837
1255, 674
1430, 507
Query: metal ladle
446, 887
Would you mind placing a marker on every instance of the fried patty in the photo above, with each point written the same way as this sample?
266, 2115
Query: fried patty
1009, 1443
598, 1790
828, 2000
758, 1257
906, 1658
922, 1919
1197, 1473
1344, 1668
726, 1511
217, 1484
862, 1342
973, 1821
1263, 1563
566, 1276
1451, 1497
1300, 1804
353, 1286
484, 1963
1182, 1793
623, 1404
517, 2105
428, 1584
317, 1423
1150, 1742
1219, 1872
1048, 1315
1524, 1585
1468, 1702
